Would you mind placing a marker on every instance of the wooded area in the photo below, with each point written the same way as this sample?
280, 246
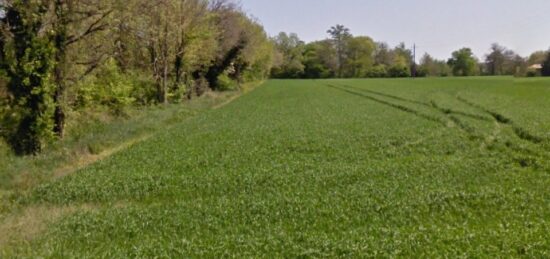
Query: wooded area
344, 55
69, 55
60, 55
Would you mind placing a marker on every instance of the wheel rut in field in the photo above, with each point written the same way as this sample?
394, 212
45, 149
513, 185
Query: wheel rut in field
431, 104
448, 115
502, 119
522, 155
393, 105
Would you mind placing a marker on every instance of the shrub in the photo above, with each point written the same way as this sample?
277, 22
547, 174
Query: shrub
421, 72
532, 73
108, 86
377, 71
225, 83
399, 70
143, 87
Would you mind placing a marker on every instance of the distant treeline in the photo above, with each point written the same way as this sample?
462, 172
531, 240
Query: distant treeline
58, 56
343, 55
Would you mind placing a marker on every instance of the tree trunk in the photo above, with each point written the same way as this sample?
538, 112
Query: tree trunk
164, 83
164, 72
178, 70
61, 37
59, 114
178, 64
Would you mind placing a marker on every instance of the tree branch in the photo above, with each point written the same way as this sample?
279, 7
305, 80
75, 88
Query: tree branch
94, 27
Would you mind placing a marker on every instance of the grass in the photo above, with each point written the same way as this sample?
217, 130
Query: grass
93, 135
454, 167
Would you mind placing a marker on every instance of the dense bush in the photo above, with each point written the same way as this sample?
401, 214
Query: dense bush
377, 71
399, 70
108, 86
533, 73
226, 83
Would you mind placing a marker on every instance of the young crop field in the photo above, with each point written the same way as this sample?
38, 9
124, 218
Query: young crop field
447, 167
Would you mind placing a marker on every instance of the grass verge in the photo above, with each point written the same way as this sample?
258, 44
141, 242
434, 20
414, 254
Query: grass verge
94, 135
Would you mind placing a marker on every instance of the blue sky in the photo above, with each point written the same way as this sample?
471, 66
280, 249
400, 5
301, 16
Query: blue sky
436, 26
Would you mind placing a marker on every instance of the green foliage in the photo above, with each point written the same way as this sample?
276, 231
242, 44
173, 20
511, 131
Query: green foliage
319, 60
537, 57
257, 57
421, 72
463, 63
143, 87
402, 55
378, 71
226, 83
342, 55
112, 54
288, 60
432, 67
109, 87
399, 70
532, 73
359, 54
243, 47
340, 36
29, 62
502, 61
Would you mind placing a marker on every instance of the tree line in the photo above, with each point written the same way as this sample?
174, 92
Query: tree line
63, 55
344, 55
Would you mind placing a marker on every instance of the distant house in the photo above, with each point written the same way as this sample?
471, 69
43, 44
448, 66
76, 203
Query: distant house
536, 67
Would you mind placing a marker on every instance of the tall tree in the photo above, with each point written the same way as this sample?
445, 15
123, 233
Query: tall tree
320, 60
195, 39
73, 21
231, 39
495, 60
402, 62
340, 36
29, 58
537, 57
290, 51
463, 62
433, 67
404, 53
360, 56
383, 54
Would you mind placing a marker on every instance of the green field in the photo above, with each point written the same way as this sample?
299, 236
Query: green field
323, 168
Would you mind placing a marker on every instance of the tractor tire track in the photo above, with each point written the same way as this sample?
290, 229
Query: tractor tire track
429, 105
502, 119
390, 104
524, 156
521, 155
469, 131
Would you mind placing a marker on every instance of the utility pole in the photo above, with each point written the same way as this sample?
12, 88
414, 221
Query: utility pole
414, 61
